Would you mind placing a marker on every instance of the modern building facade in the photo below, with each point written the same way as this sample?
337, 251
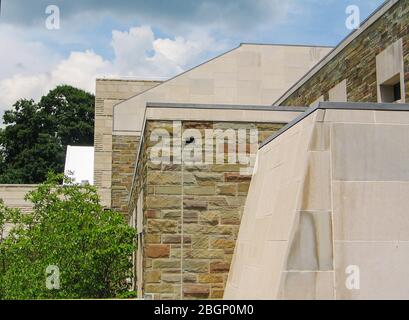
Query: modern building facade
370, 65
229, 91
190, 185
176, 158
326, 216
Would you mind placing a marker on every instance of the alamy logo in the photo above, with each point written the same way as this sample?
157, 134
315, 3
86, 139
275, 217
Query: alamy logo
353, 21
353, 280
52, 22
52, 280
201, 147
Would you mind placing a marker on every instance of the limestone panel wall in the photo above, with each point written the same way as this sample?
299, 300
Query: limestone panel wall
248, 75
356, 62
340, 227
270, 212
191, 217
109, 92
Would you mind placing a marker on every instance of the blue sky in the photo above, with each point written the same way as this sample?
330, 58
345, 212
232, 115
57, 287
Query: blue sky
152, 39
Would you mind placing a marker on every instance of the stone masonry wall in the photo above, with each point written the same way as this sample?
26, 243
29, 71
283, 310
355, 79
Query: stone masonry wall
109, 92
357, 62
191, 219
123, 164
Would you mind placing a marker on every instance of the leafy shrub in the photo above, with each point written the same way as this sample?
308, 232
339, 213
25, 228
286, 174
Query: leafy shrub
68, 229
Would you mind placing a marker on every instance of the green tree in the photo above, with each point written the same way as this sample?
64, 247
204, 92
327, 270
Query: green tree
68, 229
36, 134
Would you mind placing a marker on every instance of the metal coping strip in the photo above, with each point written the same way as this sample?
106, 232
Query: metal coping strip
223, 107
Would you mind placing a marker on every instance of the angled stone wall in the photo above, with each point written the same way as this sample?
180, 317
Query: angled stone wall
326, 213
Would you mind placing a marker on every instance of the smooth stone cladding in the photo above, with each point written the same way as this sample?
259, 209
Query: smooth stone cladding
326, 216
355, 61
188, 215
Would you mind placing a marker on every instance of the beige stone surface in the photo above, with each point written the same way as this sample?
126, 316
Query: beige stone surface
109, 92
396, 117
200, 114
307, 286
249, 74
383, 269
390, 65
359, 116
345, 218
381, 207
311, 248
339, 92
317, 194
13, 195
365, 152
270, 213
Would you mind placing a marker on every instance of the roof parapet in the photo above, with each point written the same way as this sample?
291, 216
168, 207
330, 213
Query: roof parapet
341, 106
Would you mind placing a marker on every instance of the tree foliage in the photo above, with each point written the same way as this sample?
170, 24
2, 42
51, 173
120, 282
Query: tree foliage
69, 229
36, 134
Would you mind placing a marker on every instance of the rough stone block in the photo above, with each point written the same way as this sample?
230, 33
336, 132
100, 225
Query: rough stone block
161, 226
196, 265
152, 276
157, 251
196, 291
210, 278
219, 267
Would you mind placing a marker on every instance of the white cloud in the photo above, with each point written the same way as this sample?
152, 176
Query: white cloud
184, 51
136, 53
22, 56
80, 70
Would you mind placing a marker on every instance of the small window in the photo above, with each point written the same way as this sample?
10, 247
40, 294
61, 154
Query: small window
391, 90
396, 92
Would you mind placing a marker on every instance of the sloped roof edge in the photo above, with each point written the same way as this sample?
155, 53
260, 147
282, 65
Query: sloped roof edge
214, 58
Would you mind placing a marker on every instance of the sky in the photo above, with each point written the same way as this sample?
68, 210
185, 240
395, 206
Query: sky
147, 39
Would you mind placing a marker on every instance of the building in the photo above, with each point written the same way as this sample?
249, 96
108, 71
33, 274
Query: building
322, 199
370, 65
188, 214
337, 226
326, 215
247, 75
79, 164
229, 91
